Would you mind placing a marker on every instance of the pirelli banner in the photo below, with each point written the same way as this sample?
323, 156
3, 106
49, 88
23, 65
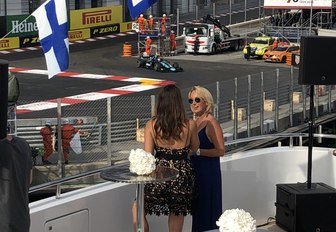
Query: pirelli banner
298, 4
95, 17
9, 43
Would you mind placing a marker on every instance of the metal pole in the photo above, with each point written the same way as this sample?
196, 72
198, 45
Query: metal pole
214, 9
177, 21
153, 105
249, 106
235, 120
291, 107
311, 137
304, 105
329, 98
317, 94
196, 12
61, 173
3, 98
245, 11
319, 139
311, 17
277, 101
262, 103
140, 207
109, 130
217, 100
259, 10
230, 11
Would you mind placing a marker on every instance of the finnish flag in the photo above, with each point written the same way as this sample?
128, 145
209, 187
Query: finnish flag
52, 23
136, 7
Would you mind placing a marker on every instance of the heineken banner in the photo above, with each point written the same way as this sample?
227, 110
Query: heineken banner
19, 27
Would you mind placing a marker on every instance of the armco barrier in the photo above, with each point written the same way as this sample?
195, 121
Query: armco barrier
180, 44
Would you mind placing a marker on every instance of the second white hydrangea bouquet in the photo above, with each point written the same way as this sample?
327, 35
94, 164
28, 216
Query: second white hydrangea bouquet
141, 162
236, 220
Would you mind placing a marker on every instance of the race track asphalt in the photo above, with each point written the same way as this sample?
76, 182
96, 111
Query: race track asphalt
105, 57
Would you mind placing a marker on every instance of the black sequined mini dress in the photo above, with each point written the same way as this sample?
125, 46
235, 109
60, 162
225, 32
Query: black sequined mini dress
175, 196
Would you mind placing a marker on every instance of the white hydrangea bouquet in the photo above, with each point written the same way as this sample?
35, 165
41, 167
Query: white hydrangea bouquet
141, 162
236, 220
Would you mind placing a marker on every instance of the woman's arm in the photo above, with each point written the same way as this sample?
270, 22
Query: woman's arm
215, 135
148, 137
194, 141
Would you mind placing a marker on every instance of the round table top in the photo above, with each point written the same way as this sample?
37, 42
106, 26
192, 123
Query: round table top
216, 230
121, 173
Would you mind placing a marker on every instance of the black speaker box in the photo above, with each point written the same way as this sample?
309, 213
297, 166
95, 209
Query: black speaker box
317, 60
299, 209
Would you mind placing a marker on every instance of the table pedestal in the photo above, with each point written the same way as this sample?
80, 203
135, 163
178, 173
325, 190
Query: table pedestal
140, 207
121, 173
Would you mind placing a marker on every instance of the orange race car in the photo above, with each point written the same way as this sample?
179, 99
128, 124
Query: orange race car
280, 53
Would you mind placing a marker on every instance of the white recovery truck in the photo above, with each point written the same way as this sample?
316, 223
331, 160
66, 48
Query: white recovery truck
210, 38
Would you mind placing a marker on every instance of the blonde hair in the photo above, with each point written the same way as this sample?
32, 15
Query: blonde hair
206, 96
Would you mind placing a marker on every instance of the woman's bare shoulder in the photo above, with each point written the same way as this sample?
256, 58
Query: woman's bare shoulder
192, 122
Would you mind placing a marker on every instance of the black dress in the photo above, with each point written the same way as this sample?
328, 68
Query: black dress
175, 196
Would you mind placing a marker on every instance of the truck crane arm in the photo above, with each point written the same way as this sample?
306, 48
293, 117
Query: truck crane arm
214, 21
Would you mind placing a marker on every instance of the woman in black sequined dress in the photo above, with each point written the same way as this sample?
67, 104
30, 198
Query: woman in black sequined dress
172, 138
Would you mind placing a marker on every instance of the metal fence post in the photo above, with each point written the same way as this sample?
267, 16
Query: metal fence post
235, 119
177, 21
196, 12
245, 16
153, 105
230, 11
319, 139
277, 101
262, 103
249, 106
317, 99
217, 100
291, 107
61, 172
214, 9
109, 132
329, 98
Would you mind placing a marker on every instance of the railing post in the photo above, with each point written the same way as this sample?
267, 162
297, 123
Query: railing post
291, 108
259, 16
177, 21
300, 141
230, 12
329, 98
319, 139
217, 100
291, 141
196, 12
109, 130
317, 99
214, 9
61, 171
249, 106
277, 101
153, 105
304, 104
245, 15
262, 103
235, 120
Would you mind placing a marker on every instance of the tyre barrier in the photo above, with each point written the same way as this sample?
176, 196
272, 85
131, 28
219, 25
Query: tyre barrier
127, 50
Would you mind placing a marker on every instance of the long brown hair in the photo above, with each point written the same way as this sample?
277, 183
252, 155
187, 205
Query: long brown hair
170, 114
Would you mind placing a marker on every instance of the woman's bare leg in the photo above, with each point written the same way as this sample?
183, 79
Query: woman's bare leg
134, 216
175, 223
